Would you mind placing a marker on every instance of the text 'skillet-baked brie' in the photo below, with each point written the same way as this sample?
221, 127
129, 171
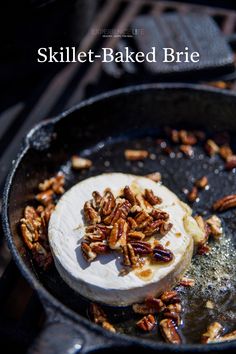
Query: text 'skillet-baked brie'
101, 279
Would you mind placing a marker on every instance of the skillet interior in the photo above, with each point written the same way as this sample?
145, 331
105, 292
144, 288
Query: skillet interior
101, 131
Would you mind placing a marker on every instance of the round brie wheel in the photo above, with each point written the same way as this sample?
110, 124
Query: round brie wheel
100, 280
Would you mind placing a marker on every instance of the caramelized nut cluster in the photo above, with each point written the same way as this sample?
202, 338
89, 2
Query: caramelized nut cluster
168, 309
125, 224
34, 224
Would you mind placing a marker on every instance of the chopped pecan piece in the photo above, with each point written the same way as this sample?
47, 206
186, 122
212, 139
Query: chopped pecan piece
170, 297
45, 197
193, 194
155, 176
87, 252
169, 331
136, 235
151, 197
27, 234
107, 203
209, 305
211, 147
215, 226
91, 215
129, 195
153, 227
174, 136
225, 152
187, 282
147, 323
80, 163
108, 326
162, 254
201, 182
213, 331
204, 227
130, 259
135, 155
187, 150
141, 247
225, 203
230, 163
30, 212
118, 235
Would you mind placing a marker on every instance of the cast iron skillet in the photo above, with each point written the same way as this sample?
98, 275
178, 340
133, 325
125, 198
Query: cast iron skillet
101, 127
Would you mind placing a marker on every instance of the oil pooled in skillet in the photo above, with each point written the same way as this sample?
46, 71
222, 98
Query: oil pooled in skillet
214, 274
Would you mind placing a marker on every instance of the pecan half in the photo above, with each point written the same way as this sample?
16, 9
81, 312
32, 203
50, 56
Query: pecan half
147, 323
141, 247
91, 215
135, 155
41, 256
172, 315
201, 182
162, 254
169, 331
225, 203
151, 197
45, 197
227, 337
99, 247
87, 252
225, 152
129, 257
108, 326
187, 138
214, 224
27, 234
132, 223
142, 219
156, 304
213, 331
211, 147
107, 203
230, 163
153, 227
165, 228
120, 211
129, 195
186, 150
118, 235
192, 195
55, 183
188, 282
155, 176
80, 163
170, 297
158, 214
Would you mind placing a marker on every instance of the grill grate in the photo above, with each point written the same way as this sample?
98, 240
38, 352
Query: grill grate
21, 314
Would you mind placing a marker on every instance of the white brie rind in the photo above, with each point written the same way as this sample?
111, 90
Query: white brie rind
100, 280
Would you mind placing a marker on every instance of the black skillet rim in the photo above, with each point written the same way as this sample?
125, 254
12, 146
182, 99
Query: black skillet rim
45, 296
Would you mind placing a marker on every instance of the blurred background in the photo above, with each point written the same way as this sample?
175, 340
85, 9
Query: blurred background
32, 91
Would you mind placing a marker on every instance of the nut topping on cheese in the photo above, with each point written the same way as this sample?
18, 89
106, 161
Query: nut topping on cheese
118, 245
